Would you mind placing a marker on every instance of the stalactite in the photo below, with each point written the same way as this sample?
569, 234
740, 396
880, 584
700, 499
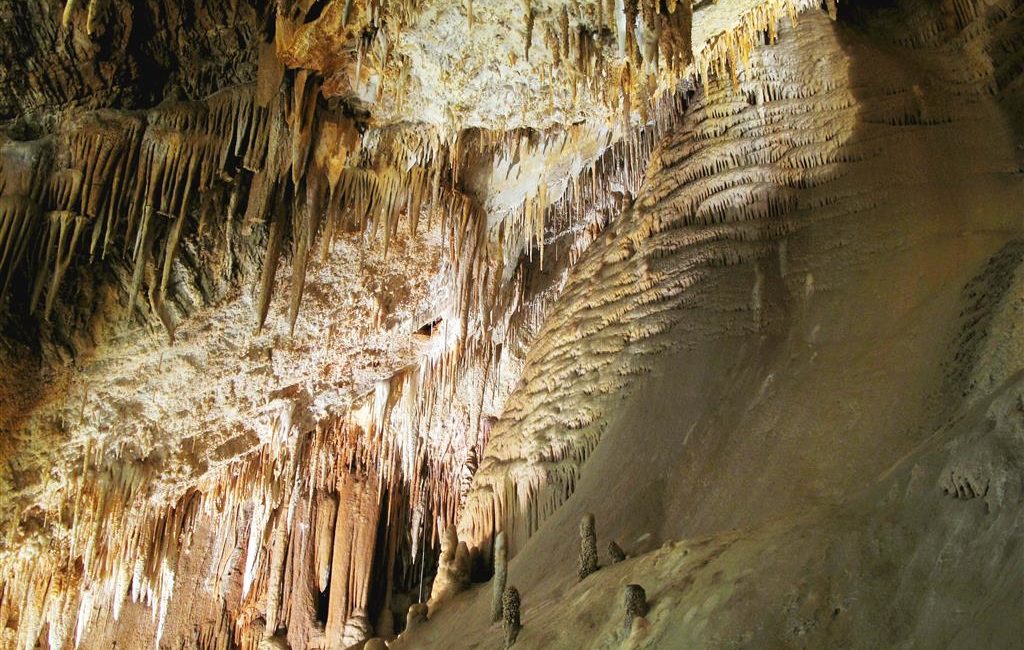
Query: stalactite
65, 229
354, 536
326, 513
728, 50
16, 222
278, 547
529, 17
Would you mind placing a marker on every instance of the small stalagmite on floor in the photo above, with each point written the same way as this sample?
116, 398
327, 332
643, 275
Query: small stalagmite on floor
510, 614
416, 616
615, 552
588, 546
635, 600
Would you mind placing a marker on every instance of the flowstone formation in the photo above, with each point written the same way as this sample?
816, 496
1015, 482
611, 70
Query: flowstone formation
312, 312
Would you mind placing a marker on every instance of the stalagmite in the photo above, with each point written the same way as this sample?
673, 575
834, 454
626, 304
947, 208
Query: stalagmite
635, 601
500, 576
272, 643
588, 546
416, 616
615, 552
326, 513
510, 616
453, 568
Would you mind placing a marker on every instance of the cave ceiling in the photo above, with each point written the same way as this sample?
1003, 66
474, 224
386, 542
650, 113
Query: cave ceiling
151, 149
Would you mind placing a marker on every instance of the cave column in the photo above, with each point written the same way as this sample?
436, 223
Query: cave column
355, 535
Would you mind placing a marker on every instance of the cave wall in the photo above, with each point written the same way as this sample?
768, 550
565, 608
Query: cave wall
798, 298
748, 171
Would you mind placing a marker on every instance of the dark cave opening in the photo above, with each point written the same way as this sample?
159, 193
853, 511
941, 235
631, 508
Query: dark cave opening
428, 329
323, 601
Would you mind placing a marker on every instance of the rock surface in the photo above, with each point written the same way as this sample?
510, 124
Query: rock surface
304, 302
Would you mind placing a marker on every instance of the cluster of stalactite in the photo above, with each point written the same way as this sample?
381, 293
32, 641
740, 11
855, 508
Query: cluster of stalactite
309, 515
593, 47
728, 52
281, 156
133, 181
325, 494
351, 509
648, 67
134, 184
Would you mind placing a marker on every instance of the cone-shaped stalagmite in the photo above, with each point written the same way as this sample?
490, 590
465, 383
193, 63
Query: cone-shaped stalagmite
615, 552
